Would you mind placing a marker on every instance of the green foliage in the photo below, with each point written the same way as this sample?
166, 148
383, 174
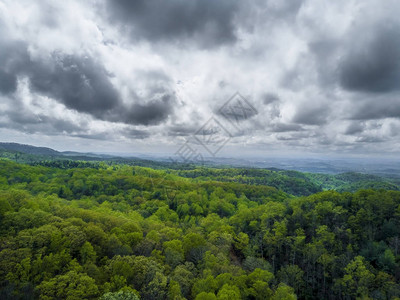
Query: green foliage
71, 285
206, 296
352, 182
114, 231
120, 295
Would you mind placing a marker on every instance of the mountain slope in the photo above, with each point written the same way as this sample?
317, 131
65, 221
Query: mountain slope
28, 149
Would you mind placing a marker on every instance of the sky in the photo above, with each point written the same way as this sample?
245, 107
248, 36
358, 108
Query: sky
226, 77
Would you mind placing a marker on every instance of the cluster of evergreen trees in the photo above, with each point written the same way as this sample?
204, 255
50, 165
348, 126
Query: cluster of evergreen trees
125, 232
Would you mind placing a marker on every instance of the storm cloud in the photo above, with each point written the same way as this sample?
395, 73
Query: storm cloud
150, 73
81, 83
373, 63
84, 85
314, 115
206, 22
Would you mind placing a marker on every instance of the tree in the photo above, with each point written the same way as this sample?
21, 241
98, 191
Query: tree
284, 292
292, 275
229, 292
123, 294
157, 288
72, 286
194, 247
231, 226
88, 255
358, 279
387, 261
183, 274
206, 296
174, 254
208, 285
258, 283
174, 291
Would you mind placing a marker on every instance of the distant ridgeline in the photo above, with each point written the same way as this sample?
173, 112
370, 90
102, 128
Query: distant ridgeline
291, 182
110, 229
68, 159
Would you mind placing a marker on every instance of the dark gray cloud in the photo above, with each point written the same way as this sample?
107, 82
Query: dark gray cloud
365, 58
378, 107
270, 98
282, 10
183, 129
129, 133
204, 22
78, 82
135, 133
20, 117
13, 56
152, 112
81, 83
236, 109
23, 120
292, 136
84, 85
8, 82
283, 127
373, 61
311, 115
355, 128
270, 12
370, 139
325, 55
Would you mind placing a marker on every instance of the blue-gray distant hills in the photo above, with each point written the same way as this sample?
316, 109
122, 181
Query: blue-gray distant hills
28, 149
48, 152
300, 177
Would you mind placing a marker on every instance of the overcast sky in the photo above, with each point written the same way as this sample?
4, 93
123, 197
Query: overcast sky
144, 76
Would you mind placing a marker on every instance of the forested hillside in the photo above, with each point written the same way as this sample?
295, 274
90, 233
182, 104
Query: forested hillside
80, 230
293, 182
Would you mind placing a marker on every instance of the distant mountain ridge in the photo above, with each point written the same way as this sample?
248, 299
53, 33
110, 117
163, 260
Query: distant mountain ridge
45, 152
28, 149
34, 150
382, 168
41, 155
298, 183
